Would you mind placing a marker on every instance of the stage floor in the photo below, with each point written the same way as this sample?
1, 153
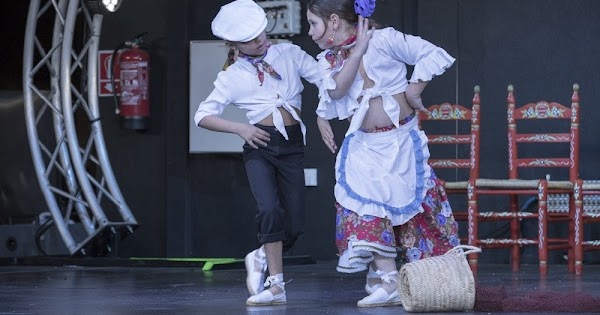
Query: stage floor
315, 289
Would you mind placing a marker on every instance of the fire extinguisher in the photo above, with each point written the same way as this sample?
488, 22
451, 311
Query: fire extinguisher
131, 64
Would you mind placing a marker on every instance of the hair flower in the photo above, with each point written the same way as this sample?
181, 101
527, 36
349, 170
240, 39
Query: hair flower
364, 7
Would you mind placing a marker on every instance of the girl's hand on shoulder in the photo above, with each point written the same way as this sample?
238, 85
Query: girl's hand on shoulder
327, 134
254, 136
363, 35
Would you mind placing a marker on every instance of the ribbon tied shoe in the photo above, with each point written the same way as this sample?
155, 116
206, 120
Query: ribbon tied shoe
381, 297
274, 296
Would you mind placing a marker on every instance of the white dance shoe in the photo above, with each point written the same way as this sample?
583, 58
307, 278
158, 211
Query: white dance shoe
380, 297
256, 267
266, 297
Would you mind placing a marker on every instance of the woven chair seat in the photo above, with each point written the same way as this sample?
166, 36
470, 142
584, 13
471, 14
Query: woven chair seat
590, 186
456, 185
507, 215
507, 183
560, 184
504, 241
523, 184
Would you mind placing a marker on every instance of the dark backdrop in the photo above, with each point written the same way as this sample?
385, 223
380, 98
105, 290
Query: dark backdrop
201, 205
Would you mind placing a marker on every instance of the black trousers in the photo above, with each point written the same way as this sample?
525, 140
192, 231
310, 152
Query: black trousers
276, 176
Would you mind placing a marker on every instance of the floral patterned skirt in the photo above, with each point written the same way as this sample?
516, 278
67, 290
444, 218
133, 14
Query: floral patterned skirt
430, 233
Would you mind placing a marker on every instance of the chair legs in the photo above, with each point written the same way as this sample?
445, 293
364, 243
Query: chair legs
515, 233
543, 227
472, 223
572, 231
577, 235
516, 241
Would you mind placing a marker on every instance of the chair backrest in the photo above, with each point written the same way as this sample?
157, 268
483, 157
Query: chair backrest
543, 110
455, 112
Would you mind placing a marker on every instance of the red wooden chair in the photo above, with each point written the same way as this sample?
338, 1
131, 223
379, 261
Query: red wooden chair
587, 210
514, 186
447, 112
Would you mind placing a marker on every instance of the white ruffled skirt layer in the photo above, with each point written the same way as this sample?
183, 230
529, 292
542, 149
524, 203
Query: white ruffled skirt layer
360, 253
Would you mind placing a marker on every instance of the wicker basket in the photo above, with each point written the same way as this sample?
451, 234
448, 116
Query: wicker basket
438, 284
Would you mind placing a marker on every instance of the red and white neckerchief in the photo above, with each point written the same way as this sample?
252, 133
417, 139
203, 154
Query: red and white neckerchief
338, 54
261, 65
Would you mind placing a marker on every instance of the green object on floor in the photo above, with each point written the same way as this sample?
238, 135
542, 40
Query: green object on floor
208, 262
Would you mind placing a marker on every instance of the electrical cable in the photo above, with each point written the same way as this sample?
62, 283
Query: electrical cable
38, 235
276, 18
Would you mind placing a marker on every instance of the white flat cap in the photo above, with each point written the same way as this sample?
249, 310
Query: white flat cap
239, 21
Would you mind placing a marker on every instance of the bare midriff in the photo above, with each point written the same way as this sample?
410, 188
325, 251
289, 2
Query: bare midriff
288, 119
376, 115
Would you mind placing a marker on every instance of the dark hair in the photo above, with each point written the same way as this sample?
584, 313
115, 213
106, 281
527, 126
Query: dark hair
343, 8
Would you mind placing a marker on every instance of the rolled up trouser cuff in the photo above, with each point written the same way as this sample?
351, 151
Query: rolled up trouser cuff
271, 237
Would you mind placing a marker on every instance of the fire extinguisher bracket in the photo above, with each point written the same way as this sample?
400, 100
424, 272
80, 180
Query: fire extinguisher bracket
134, 122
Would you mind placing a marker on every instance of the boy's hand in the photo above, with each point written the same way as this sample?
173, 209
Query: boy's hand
254, 136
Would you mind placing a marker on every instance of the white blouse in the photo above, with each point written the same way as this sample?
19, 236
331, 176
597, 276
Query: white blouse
385, 63
239, 85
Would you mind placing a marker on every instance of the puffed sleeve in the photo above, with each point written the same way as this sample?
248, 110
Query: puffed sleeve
216, 102
429, 60
329, 108
308, 67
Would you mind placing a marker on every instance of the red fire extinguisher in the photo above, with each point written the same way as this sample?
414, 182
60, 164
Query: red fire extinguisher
131, 64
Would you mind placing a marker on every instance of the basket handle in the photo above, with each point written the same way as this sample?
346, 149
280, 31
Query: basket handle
469, 249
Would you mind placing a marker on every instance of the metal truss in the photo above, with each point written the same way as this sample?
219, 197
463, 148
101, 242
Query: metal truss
64, 129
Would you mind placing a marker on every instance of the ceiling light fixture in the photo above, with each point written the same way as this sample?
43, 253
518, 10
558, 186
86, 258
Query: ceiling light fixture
103, 7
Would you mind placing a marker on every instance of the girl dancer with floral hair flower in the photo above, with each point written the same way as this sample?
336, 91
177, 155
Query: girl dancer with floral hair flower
388, 198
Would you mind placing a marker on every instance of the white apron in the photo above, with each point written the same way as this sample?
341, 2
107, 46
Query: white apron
384, 174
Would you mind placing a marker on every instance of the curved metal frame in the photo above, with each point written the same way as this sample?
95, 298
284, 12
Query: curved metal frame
66, 157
